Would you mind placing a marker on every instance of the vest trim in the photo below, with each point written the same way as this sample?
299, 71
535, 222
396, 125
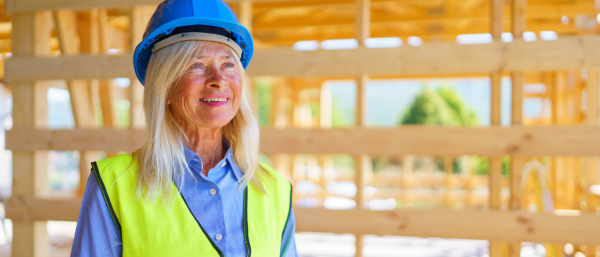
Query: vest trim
288, 215
246, 237
106, 198
203, 231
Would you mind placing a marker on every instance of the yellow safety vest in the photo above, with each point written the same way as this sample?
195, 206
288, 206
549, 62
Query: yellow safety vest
148, 229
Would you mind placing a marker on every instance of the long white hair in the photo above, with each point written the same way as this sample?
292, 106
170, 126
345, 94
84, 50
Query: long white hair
161, 159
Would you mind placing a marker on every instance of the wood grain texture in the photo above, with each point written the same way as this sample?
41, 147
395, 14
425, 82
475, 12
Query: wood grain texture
490, 225
568, 52
483, 225
491, 141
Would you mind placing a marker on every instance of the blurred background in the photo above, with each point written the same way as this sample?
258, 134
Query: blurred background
474, 121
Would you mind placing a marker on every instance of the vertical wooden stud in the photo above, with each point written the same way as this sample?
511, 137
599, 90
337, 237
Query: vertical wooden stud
448, 171
30, 37
517, 78
246, 14
593, 119
362, 163
495, 162
138, 19
325, 161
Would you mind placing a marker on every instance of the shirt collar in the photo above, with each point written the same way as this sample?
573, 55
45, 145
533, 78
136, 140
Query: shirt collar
191, 156
236, 170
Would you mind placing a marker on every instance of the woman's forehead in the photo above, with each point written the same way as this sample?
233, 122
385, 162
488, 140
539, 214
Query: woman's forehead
211, 50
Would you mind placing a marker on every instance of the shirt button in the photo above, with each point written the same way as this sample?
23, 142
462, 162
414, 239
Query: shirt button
223, 165
219, 237
212, 191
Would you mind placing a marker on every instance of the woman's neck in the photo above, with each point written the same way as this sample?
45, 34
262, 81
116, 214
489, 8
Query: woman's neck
207, 144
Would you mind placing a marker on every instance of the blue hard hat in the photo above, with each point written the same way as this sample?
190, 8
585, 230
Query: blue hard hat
176, 16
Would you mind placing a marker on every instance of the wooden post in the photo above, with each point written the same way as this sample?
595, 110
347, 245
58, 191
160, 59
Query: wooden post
448, 171
106, 87
363, 165
246, 14
495, 162
362, 20
593, 118
517, 78
138, 19
30, 37
325, 161
278, 120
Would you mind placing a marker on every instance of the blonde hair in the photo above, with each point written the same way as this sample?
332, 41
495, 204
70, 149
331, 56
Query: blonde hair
161, 159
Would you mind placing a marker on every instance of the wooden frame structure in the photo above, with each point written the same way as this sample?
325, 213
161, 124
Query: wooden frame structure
88, 70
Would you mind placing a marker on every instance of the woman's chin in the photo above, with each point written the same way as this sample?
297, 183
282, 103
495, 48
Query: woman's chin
216, 122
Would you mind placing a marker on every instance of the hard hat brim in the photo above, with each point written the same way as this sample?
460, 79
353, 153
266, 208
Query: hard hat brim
143, 51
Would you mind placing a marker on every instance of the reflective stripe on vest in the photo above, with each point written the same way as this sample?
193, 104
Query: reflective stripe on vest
148, 229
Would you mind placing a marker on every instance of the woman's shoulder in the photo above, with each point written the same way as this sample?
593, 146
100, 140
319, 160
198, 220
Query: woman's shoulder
115, 167
116, 162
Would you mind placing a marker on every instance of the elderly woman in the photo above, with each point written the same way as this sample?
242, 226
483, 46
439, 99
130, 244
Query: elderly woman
195, 188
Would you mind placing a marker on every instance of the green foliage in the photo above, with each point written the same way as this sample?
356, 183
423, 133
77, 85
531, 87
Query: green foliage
457, 107
439, 107
445, 107
429, 108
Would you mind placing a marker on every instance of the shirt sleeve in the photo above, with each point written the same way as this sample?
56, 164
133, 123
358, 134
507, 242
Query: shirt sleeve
288, 242
96, 234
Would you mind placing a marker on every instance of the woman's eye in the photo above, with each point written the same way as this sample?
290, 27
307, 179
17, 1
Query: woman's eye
197, 66
229, 65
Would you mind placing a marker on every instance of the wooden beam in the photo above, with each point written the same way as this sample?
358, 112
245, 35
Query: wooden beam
362, 20
139, 17
383, 13
492, 141
496, 18
14, 6
581, 228
31, 37
490, 225
573, 52
441, 30
518, 23
27, 208
495, 162
245, 14
592, 117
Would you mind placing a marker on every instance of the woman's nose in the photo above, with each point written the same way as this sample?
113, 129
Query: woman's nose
215, 79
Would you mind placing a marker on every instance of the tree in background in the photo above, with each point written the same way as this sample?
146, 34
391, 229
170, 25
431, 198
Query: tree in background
444, 107
439, 107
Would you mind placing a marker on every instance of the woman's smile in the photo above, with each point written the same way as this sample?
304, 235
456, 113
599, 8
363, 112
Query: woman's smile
216, 100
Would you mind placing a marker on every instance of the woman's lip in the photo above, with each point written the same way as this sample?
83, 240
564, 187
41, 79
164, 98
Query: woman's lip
216, 104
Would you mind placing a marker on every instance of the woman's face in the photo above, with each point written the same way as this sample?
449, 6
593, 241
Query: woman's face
209, 93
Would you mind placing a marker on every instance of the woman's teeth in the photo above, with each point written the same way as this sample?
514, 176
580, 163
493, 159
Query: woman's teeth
213, 99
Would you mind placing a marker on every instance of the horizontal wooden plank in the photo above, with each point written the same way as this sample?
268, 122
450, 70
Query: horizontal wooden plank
13, 6
469, 224
70, 67
583, 229
491, 141
77, 139
28, 208
569, 52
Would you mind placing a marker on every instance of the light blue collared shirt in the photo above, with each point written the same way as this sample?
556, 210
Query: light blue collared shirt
219, 213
